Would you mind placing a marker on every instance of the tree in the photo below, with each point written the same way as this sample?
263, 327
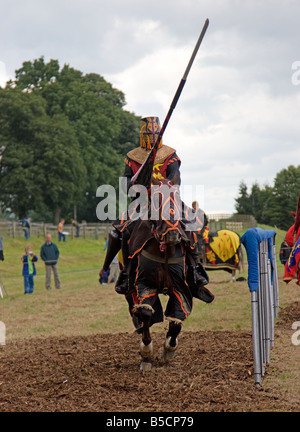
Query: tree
74, 131
272, 205
41, 157
284, 197
35, 75
21, 116
259, 202
58, 157
243, 205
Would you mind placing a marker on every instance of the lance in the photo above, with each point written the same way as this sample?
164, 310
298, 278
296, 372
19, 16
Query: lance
143, 175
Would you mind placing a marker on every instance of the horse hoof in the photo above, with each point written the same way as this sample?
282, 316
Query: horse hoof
145, 366
168, 355
146, 350
169, 351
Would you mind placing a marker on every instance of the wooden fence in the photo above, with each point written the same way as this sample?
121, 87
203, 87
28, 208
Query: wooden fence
234, 223
13, 229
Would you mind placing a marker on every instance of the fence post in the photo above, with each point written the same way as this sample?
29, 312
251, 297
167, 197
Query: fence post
275, 282
271, 304
265, 305
257, 349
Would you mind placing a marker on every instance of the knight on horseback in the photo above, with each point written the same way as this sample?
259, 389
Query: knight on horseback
166, 166
160, 253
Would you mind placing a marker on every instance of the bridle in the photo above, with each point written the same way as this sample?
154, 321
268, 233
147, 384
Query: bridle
166, 204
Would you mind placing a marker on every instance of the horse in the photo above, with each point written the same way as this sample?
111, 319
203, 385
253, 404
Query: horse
222, 250
158, 248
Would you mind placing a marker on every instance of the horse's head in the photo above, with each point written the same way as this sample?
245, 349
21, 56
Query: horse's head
166, 213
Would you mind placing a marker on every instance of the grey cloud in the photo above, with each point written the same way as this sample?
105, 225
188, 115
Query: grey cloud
238, 109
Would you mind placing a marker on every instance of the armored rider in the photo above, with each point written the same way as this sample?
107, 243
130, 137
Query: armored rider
166, 166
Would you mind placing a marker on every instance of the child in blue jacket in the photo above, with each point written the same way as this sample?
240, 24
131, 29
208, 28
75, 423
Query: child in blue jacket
29, 270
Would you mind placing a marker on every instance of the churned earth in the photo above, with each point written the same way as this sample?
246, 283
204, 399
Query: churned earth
212, 371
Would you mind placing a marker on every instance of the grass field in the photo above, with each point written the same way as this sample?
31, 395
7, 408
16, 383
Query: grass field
84, 332
82, 306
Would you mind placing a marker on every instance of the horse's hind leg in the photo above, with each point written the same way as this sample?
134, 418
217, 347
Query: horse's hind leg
146, 347
233, 278
171, 342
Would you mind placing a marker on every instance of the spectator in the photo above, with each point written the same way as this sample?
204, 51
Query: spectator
1, 249
103, 278
77, 226
29, 270
26, 227
195, 205
49, 254
60, 228
114, 270
106, 243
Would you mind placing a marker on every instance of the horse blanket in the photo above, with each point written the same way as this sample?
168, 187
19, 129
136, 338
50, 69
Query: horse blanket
221, 250
150, 284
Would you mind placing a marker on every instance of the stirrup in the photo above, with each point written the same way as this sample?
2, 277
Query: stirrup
197, 282
201, 276
204, 294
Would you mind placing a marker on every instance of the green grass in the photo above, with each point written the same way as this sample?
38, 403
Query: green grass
82, 306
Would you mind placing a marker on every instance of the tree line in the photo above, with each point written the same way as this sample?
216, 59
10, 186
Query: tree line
62, 135
272, 205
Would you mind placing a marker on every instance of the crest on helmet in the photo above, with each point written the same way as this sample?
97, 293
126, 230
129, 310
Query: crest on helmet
150, 128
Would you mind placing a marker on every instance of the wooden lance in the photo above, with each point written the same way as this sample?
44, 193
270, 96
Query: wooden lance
143, 175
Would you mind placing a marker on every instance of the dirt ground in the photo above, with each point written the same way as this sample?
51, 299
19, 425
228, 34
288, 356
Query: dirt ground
211, 372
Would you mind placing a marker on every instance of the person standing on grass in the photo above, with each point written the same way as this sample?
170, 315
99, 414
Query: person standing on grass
49, 254
26, 227
77, 226
29, 270
60, 229
114, 270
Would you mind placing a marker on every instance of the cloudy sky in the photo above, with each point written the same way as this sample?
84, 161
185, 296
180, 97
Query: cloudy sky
238, 115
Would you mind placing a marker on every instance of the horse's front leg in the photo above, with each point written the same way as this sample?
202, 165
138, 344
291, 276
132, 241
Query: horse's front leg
146, 347
171, 342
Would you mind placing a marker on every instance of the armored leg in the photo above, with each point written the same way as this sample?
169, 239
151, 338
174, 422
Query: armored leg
113, 247
122, 285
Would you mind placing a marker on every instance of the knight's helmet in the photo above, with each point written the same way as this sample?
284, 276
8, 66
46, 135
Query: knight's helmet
150, 128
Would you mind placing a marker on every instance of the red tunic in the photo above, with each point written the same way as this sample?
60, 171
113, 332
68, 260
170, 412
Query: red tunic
159, 169
289, 238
